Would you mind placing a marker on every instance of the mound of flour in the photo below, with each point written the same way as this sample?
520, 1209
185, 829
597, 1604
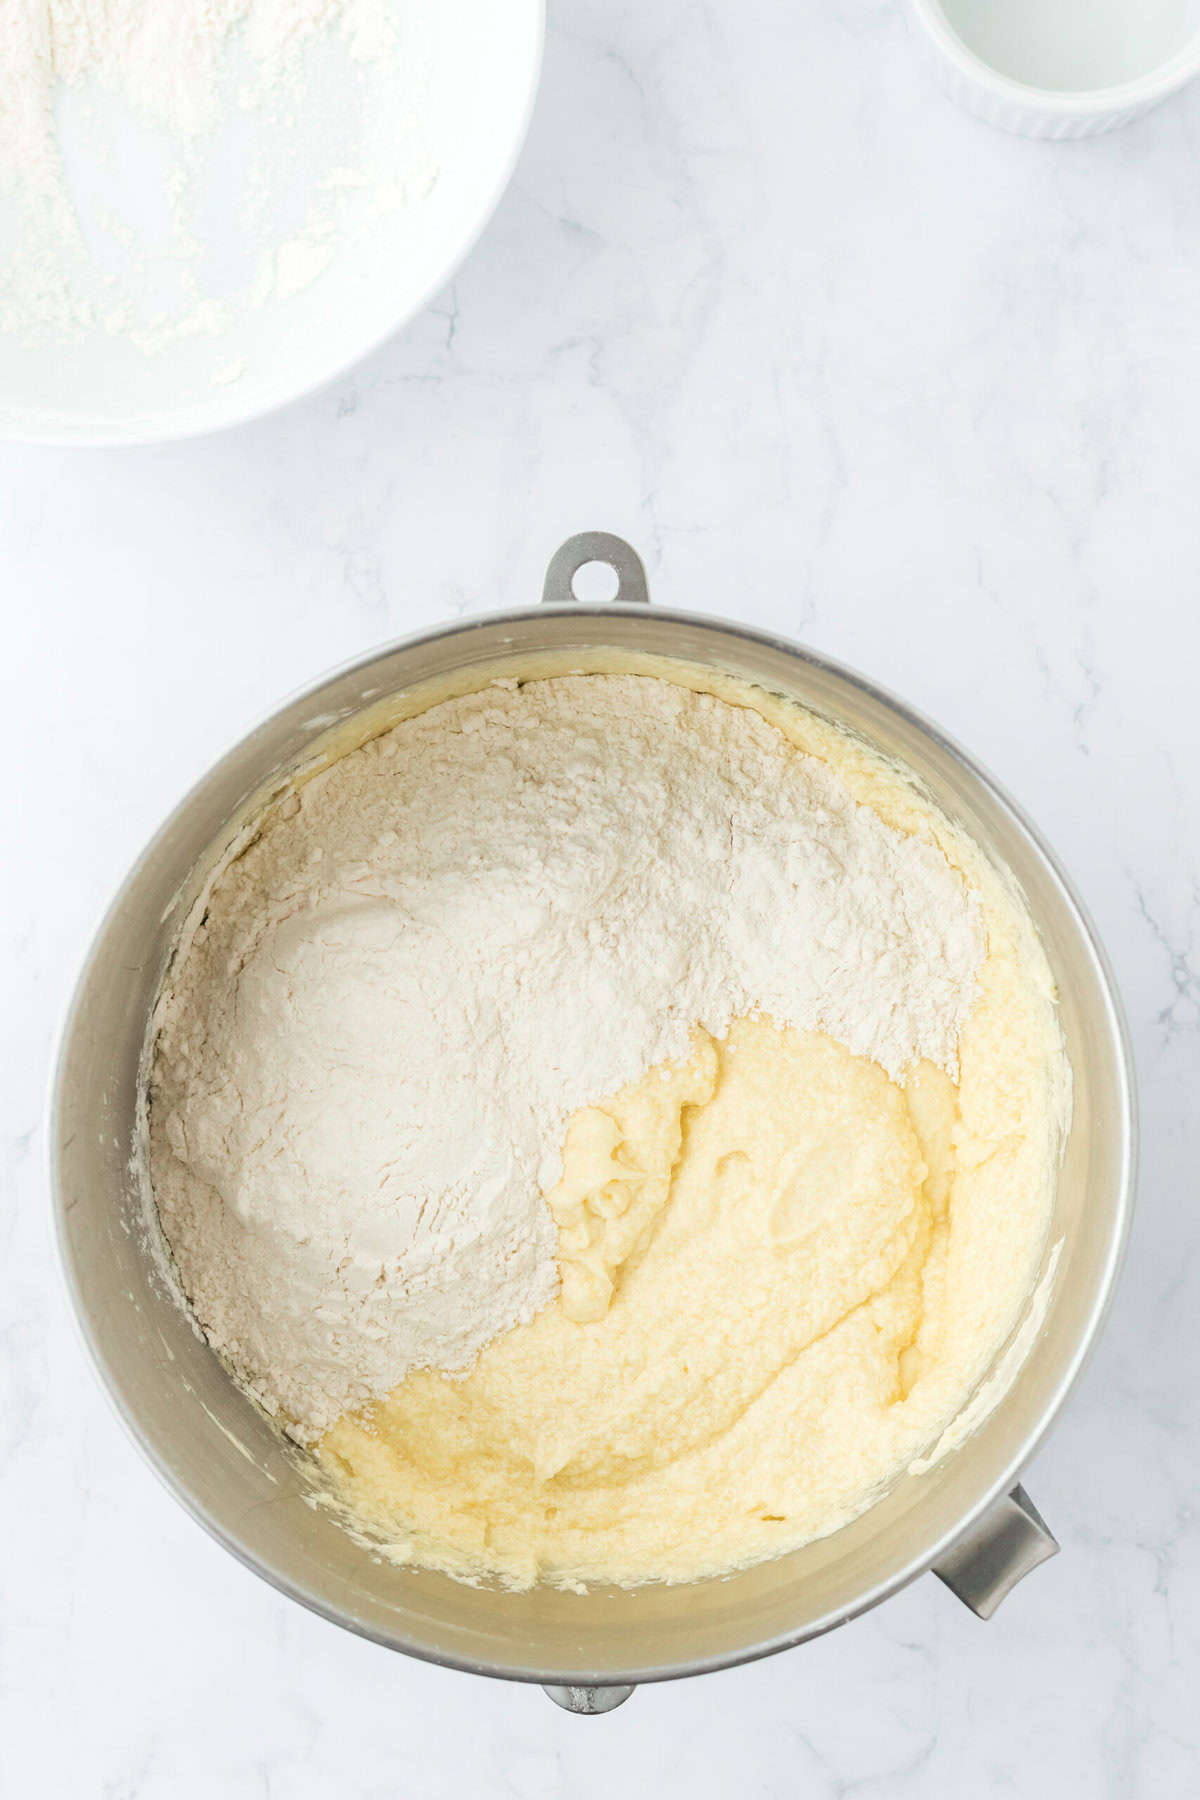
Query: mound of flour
436, 950
151, 183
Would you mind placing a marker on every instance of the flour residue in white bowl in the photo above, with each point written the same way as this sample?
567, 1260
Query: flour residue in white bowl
156, 171
210, 207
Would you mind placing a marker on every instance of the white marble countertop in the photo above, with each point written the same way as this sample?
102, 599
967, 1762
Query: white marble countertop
842, 362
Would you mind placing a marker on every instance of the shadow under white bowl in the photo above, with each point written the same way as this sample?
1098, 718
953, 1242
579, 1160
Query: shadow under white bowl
1060, 68
479, 68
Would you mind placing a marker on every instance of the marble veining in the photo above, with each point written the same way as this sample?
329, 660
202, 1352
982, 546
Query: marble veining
842, 362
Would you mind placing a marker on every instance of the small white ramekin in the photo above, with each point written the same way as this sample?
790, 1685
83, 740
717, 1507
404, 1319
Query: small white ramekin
1043, 112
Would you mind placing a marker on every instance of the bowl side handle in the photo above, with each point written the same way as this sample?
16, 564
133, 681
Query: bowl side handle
1005, 1545
595, 547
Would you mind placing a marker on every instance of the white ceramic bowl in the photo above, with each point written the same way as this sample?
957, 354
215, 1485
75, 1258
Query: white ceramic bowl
463, 97
1060, 68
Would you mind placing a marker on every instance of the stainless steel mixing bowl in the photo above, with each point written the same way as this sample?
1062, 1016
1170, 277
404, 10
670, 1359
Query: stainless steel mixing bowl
223, 1461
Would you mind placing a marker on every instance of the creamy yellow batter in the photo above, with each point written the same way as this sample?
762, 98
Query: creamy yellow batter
783, 1275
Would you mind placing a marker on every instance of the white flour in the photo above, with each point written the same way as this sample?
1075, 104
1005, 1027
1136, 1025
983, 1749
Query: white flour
166, 57
450, 940
122, 208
